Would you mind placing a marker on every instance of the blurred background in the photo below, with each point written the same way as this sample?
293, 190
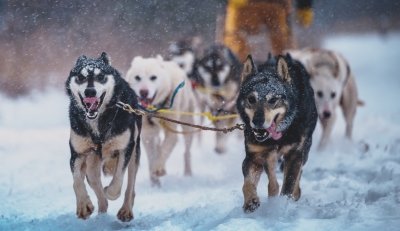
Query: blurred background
40, 40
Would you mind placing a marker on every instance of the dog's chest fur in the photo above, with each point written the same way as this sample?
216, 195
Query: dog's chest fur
261, 151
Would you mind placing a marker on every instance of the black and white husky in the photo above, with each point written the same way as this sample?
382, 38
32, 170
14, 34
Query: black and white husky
102, 135
219, 72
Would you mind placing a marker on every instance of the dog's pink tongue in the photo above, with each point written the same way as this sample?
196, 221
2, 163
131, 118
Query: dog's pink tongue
273, 133
144, 103
91, 102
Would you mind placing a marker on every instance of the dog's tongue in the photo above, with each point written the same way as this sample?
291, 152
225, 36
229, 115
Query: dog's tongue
145, 103
91, 103
273, 133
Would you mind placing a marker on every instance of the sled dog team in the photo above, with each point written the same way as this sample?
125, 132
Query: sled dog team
279, 102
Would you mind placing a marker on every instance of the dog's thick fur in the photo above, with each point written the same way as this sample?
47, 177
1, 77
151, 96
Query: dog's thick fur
219, 72
334, 85
101, 133
155, 80
183, 52
278, 109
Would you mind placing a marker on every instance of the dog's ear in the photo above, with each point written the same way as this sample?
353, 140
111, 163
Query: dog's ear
173, 48
226, 52
104, 58
310, 69
283, 69
80, 60
196, 42
248, 68
289, 57
159, 58
136, 59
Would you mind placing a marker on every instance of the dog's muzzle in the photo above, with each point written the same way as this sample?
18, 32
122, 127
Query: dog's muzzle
260, 134
263, 134
145, 101
92, 105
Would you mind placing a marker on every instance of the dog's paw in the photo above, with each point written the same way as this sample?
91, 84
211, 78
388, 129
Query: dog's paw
188, 172
84, 209
112, 194
155, 182
103, 206
251, 205
160, 172
220, 150
125, 214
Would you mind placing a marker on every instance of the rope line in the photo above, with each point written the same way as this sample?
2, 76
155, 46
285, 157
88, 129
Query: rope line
129, 109
208, 115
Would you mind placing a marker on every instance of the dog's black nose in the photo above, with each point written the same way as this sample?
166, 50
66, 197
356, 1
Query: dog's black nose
215, 81
90, 92
144, 93
259, 119
326, 114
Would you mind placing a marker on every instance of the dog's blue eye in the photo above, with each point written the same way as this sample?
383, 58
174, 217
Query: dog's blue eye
101, 78
251, 99
80, 78
320, 94
137, 78
273, 100
333, 94
152, 78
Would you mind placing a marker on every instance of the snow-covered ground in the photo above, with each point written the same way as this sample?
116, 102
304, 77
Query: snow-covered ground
351, 186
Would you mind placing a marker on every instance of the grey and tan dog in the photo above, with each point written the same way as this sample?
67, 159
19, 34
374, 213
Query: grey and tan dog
278, 109
334, 86
219, 73
103, 136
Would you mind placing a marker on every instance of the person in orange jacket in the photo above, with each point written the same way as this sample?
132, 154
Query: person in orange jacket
245, 17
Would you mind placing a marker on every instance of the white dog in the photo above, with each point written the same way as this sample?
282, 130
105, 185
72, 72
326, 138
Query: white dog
334, 85
154, 80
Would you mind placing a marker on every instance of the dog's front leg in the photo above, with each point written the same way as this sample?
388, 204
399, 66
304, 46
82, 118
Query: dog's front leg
151, 142
292, 174
113, 190
125, 214
84, 207
327, 126
122, 146
220, 138
269, 167
187, 155
94, 179
188, 144
251, 172
170, 140
348, 102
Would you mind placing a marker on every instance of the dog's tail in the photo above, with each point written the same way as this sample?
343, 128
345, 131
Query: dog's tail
109, 166
360, 103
